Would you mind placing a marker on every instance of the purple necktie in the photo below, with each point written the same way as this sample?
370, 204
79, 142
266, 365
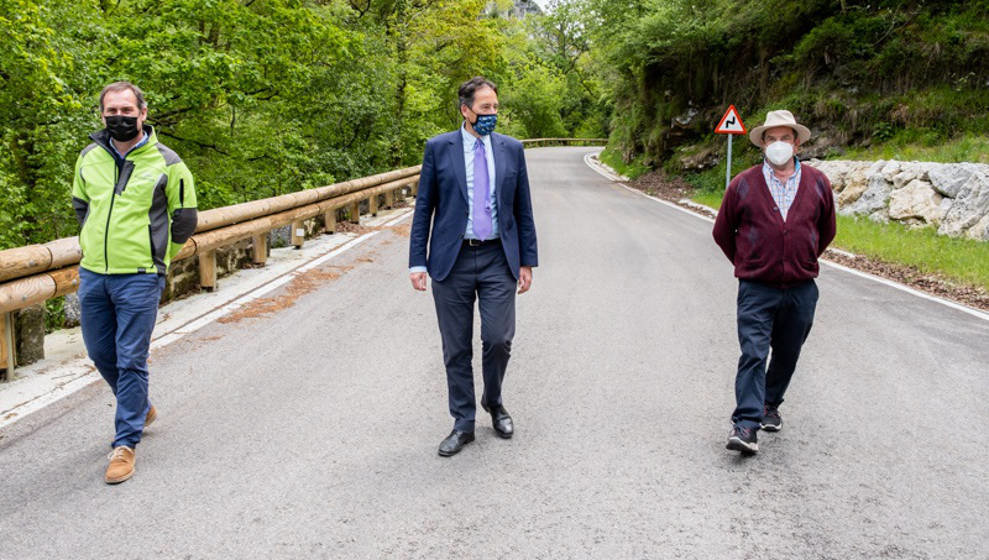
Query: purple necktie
482, 196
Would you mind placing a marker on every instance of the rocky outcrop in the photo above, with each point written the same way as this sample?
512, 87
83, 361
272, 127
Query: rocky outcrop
950, 197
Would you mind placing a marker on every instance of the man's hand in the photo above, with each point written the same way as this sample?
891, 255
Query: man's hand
418, 280
525, 279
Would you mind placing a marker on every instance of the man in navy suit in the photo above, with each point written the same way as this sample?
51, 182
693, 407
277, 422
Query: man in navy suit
474, 210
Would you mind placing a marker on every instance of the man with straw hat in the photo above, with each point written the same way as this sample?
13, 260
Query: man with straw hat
776, 219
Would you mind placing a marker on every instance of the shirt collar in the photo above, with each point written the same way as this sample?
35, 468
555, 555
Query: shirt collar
470, 139
768, 169
143, 141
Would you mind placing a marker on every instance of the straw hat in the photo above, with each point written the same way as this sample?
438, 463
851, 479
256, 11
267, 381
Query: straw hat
779, 118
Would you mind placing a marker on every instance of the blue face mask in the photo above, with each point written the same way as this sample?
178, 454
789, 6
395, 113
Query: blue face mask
485, 124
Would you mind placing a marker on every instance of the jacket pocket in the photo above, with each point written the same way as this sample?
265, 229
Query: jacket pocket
151, 241
806, 251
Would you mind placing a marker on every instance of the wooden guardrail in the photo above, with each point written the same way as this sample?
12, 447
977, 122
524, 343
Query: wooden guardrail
36, 273
537, 142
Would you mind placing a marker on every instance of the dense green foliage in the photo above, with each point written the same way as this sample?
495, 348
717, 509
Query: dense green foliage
263, 97
861, 74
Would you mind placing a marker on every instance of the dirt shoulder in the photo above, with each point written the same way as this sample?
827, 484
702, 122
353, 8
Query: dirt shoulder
679, 192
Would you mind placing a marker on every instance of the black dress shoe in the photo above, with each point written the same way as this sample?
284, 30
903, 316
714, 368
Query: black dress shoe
455, 442
501, 421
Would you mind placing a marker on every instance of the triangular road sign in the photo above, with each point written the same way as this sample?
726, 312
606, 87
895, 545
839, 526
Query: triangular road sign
731, 123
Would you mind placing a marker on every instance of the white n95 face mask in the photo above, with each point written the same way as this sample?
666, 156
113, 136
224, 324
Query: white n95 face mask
778, 153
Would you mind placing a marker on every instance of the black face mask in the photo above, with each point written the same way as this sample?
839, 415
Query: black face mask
121, 128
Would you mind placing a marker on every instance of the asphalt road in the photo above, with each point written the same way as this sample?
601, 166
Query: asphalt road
311, 432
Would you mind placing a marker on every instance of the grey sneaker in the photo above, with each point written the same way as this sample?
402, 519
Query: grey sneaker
743, 439
771, 420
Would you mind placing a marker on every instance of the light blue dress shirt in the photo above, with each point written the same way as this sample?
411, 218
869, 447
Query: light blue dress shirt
469, 140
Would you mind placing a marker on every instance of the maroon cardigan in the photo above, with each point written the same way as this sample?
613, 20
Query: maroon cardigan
751, 232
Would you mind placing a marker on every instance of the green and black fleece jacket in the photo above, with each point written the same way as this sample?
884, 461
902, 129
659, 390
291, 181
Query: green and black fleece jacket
136, 212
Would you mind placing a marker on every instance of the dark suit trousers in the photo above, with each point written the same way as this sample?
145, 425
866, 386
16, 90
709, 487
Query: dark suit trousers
769, 317
480, 273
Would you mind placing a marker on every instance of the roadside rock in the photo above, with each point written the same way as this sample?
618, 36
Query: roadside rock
853, 191
874, 199
837, 172
949, 179
971, 205
917, 199
890, 170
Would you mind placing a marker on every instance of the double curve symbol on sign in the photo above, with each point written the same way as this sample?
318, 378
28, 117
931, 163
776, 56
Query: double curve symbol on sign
731, 123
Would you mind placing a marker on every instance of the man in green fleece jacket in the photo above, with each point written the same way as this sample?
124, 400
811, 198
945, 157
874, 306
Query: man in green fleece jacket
136, 203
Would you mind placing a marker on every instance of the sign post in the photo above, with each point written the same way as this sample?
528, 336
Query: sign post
730, 124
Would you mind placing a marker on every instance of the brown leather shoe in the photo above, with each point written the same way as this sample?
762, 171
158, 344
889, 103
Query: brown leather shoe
121, 465
151, 417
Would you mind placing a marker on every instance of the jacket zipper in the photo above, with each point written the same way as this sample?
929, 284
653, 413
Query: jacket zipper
106, 233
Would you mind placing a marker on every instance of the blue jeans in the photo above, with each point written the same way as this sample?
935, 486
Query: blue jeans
118, 316
769, 317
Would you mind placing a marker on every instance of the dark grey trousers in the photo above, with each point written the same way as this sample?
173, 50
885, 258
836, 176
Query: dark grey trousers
480, 273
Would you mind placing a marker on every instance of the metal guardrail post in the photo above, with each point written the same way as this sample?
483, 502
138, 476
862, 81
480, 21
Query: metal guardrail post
373, 205
389, 199
355, 212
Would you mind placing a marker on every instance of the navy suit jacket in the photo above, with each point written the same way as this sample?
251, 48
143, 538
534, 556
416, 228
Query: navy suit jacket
441, 205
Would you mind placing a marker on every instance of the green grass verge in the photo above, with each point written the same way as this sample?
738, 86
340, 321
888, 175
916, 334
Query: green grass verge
961, 260
630, 170
920, 146
712, 199
964, 260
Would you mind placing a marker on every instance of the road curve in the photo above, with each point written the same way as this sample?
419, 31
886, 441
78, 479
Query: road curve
310, 430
